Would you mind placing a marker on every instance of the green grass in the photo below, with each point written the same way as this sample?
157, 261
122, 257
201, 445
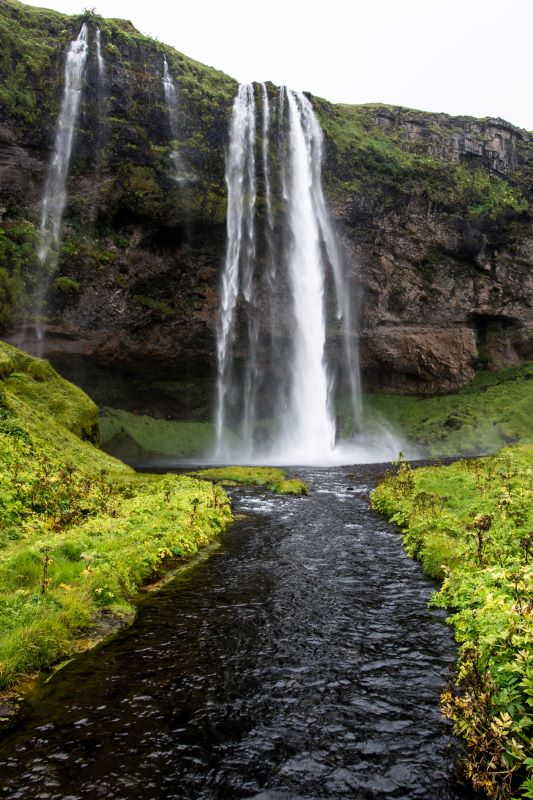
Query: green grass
274, 479
494, 410
79, 530
136, 436
470, 524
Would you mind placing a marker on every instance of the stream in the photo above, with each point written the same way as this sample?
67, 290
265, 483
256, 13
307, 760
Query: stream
298, 662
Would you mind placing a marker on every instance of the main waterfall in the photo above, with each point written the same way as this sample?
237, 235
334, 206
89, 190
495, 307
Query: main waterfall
283, 365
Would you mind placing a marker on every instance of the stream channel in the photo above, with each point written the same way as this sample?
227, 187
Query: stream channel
298, 662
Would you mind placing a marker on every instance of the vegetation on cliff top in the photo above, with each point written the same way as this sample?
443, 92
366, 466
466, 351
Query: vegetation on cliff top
80, 531
470, 524
495, 409
367, 152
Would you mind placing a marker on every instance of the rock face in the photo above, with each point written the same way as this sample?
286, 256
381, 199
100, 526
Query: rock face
434, 214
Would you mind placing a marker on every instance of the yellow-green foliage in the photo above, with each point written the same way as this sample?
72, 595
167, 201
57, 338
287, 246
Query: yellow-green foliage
471, 525
274, 479
79, 531
492, 411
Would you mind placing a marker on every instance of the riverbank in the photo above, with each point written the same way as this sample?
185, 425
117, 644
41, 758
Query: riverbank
80, 532
470, 526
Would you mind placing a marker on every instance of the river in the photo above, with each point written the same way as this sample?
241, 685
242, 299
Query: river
298, 662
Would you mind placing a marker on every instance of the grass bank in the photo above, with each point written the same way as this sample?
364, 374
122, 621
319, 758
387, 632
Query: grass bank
79, 530
470, 524
272, 478
137, 437
494, 410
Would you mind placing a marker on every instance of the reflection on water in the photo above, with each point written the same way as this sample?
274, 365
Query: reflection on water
299, 661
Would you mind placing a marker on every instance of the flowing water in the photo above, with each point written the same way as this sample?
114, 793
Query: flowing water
299, 662
100, 62
240, 261
55, 196
171, 101
277, 381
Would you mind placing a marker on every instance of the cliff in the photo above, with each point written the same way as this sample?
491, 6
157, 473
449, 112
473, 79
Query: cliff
434, 214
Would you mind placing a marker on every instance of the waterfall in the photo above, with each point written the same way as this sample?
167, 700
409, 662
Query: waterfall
240, 257
277, 377
308, 426
55, 197
172, 105
100, 62
344, 301
100, 138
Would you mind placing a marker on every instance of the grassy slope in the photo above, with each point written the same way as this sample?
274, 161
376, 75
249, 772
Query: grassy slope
104, 528
470, 524
492, 411
136, 436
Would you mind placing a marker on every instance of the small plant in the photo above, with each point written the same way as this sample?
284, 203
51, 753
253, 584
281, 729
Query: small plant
45, 582
479, 527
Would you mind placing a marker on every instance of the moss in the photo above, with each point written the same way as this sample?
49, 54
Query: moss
493, 410
154, 305
18, 242
34, 384
274, 479
66, 286
31, 45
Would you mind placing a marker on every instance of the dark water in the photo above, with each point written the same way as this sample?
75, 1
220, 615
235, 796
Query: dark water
299, 661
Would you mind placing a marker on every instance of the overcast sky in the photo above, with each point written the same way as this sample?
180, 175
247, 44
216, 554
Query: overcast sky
459, 56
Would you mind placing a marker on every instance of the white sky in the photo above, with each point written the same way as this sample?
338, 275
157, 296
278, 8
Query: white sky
459, 56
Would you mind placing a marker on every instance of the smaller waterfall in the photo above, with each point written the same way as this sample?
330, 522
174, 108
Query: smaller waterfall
55, 197
179, 172
100, 139
100, 62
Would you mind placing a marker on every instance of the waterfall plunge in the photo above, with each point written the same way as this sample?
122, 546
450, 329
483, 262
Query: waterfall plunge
54, 199
275, 277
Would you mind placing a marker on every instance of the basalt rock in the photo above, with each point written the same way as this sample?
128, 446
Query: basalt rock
434, 214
